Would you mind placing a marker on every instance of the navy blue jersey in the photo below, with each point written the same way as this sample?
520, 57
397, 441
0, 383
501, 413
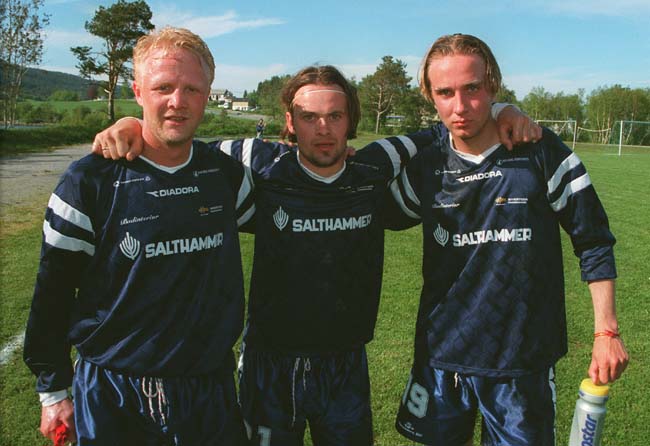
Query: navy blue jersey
492, 302
319, 246
140, 269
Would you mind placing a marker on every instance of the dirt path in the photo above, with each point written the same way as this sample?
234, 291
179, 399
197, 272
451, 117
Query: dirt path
26, 177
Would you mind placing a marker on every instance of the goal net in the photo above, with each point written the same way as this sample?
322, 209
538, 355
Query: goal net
564, 129
631, 134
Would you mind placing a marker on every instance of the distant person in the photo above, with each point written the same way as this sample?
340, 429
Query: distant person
141, 271
260, 128
492, 323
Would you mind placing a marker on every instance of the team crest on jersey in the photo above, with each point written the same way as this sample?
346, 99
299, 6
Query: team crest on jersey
441, 235
280, 218
130, 247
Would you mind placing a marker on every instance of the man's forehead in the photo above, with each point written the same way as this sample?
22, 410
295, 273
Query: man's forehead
313, 94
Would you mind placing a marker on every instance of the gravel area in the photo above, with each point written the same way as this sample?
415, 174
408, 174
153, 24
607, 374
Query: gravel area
34, 175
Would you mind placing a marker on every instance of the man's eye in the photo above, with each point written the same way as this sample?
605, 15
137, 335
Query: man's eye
336, 116
308, 118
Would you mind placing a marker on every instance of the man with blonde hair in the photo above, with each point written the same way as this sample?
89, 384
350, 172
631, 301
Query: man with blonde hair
491, 323
141, 271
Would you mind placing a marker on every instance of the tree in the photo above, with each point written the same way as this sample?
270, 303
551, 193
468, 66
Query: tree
415, 109
381, 91
268, 95
120, 26
64, 95
506, 95
606, 105
21, 45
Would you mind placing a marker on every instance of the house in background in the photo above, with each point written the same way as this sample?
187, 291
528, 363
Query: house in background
222, 97
241, 104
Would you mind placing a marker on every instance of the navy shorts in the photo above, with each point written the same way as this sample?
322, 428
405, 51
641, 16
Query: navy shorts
280, 394
439, 407
115, 409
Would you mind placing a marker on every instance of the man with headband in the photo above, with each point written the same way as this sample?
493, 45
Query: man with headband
317, 268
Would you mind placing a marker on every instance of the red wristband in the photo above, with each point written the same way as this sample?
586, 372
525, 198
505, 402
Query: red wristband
608, 333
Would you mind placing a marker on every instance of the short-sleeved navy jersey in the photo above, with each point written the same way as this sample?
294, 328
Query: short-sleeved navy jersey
319, 246
140, 269
492, 303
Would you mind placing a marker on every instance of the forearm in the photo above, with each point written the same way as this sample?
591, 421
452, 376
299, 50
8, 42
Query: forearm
602, 296
609, 357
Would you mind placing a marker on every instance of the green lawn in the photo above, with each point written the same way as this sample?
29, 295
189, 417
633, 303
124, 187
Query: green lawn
122, 106
623, 187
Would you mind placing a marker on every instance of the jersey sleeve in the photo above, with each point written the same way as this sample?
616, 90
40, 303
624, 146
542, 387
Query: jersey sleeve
392, 154
402, 205
68, 245
255, 154
573, 198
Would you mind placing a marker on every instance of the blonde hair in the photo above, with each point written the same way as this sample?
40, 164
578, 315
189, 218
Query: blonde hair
173, 38
460, 44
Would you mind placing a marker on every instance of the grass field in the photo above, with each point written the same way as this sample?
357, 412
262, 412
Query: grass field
623, 187
122, 106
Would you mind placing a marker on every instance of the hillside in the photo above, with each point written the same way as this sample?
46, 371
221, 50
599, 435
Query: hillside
40, 84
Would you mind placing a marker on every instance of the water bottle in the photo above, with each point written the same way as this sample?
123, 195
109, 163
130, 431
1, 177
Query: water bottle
589, 416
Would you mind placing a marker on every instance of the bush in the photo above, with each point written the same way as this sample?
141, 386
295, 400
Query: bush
64, 95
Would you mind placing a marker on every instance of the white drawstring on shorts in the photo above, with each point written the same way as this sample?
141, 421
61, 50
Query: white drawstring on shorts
158, 393
306, 368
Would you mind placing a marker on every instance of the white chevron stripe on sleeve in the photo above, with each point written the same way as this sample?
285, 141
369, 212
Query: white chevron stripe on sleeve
569, 163
574, 186
58, 240
70, 214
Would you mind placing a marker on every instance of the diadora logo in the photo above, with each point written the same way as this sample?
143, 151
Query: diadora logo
441, 235
130, 247
480, 176
444, 205
280, 218
442, 172
161, 193
196, 173
132, 180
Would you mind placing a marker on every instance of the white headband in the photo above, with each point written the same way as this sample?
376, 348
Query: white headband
316, 91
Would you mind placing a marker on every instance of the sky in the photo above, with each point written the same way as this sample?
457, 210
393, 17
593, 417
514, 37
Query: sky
560, 45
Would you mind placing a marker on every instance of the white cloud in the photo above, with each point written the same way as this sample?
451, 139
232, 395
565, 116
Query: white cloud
238, 78
58, 38
209, 26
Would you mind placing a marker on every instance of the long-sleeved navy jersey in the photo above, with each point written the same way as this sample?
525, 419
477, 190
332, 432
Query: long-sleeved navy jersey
492, 302
319, 246
140, 269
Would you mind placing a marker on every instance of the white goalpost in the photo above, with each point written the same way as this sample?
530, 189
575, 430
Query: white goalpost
637, 133
568, 127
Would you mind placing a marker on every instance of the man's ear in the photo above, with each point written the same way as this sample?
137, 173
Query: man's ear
289, 118
137, 93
